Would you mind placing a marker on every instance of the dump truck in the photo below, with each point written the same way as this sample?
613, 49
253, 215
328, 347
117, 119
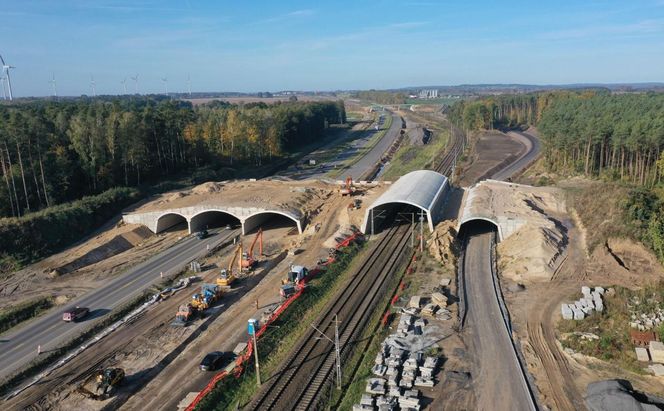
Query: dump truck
248, 262
106, 380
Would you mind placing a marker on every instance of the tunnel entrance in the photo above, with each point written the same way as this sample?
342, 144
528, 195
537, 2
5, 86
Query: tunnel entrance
212, 219
477, 226
390, 214
172, 222
269, 220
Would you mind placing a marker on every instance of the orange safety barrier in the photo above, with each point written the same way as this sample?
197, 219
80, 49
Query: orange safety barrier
241, 360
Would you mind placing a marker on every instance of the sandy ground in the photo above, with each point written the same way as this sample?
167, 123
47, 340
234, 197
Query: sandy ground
161, 361
489, 151
87, 265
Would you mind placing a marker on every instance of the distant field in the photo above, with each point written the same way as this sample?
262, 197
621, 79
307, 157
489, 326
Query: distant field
266, 100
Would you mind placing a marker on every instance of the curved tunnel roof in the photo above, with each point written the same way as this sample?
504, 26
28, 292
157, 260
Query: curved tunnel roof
422, 188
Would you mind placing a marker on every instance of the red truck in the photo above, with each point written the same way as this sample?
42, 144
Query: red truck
75, 314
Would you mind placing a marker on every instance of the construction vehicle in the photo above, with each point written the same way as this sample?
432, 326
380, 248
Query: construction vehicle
106, 380
185, 314
248, 262
347, 189
209, 294
296, 273
226, 276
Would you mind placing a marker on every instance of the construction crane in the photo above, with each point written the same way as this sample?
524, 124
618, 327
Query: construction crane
347, 189
248, 260
226, 277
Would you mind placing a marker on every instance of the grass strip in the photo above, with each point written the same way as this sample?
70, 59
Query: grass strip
276, 344
15, 315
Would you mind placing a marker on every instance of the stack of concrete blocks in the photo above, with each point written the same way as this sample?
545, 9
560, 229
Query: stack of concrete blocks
376, 386
398, 370
656, 349
646, 322
592, 300
410, 400
642, 354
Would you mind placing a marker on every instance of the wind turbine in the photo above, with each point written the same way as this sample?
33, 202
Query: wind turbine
92, 86
135, 82
189, 84
2, 87
165, 80
124, 84
5, 68
55, 88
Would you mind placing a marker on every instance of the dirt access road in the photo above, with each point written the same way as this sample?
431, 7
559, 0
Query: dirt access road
499, 379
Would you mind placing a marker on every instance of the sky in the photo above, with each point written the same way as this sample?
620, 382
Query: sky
253, 45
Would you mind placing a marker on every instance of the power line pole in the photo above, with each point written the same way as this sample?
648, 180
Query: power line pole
337, 347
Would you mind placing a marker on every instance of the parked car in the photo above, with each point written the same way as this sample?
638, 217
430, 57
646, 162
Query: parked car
202, 234
212, 361
75, 314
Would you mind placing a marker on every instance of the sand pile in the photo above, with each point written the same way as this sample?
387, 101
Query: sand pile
441, 243
208, 188
533, 252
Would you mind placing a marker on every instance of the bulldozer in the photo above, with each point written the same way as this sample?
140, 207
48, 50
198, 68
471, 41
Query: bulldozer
248, 262
347, 189
226, 277
105, 381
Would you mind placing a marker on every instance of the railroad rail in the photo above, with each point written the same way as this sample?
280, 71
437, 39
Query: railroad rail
307, 372
447, 164
302, 380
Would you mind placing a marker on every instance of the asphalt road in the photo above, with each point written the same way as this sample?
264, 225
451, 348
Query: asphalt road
358, 169
19, 346
501, 383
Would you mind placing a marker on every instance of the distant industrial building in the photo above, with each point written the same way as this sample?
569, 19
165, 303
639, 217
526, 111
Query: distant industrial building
429, 93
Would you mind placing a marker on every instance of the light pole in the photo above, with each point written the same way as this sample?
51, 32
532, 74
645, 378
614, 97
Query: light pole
336, 346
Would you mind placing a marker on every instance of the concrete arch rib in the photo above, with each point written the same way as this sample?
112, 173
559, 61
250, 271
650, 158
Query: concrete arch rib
368, 215
256, 219
487, 219
212, 218
168, 220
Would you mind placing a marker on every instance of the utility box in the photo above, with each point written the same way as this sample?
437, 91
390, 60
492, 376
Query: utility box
252, 326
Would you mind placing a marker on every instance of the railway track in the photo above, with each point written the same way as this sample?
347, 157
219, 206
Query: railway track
448, 162
303, 379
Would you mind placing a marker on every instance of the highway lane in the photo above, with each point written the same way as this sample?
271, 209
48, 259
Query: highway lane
367, 161
19, 346
501, 381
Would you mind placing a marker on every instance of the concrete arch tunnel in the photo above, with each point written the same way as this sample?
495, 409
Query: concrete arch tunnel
471, 223
270, 219
212, 218
198, 218
169, 220
422, 192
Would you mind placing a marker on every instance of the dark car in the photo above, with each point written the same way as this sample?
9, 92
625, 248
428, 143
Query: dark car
74, 314
212, 361
202, 234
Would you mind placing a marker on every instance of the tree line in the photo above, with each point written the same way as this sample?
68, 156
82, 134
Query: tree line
52, 152
597, 133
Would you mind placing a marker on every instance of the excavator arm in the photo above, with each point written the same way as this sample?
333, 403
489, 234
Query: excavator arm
253, 243
238, 251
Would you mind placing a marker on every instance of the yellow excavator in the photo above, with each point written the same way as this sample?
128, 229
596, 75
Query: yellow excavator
226, 277
248, 262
